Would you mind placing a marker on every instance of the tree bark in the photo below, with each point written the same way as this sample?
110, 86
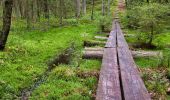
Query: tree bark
97, 53
148, 1
103, 7
92, 11
46, 9
7, 13
61, 12
27, 13
38, 10
151, 36
84, 7
108, 7
20, 4
77, 8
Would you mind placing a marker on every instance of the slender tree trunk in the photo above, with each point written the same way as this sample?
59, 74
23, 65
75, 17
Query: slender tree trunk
27, 14
148, 1
108, 7
84, 7
15, 8
77, 8
46, 9
151, 36
38, 10
64, 9
103, 7
46, 12
7, 13
92, 11
21, 8
61, 12
32, 12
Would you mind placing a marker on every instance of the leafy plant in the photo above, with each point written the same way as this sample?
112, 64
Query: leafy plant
148, 19
104, 23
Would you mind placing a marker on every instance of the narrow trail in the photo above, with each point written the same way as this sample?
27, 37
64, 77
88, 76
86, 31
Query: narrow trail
121, 5
119, 76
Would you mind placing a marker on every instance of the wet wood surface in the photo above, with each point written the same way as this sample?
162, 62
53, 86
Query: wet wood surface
119, 76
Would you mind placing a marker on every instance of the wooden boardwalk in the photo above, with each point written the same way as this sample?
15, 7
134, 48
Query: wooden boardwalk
119, 76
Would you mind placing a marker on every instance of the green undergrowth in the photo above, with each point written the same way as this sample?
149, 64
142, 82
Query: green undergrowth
70, 83
154, 71
28, 52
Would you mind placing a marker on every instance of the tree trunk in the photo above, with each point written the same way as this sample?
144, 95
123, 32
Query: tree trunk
93, 53
148, 1
92, 11
27, 13
103, 7
108, 7
151, 37
38, 10
77, 2
46, 9
61, 12
20, 4
7, 13
64, 10
84, 7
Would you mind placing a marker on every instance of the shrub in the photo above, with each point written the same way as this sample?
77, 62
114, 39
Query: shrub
148, 19
105, 23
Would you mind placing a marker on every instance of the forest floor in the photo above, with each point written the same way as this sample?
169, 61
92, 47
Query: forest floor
154, 70
25, 70
32, 67
27, 56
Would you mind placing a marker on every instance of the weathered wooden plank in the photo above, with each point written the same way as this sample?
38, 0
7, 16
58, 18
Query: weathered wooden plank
121, 42
101, 37
111, 42
133, 86
109, 83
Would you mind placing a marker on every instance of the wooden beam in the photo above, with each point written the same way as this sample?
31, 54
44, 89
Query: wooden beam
101, 37
132, 84
93, 53
109, 84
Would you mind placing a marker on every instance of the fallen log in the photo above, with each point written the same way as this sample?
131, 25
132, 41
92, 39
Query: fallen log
97, 53
93, 54
142, 53
89, 43
101, 37
93, 49
129, 35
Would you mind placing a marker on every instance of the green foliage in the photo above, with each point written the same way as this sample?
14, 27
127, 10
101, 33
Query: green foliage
105, 23
148, 19
156, 83
64, 83
28, 51
147, 62
6, 91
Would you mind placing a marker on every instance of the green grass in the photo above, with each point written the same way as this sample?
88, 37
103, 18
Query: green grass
162, 40
147, 62
29, 50
27, 54
69, 83
153, 70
